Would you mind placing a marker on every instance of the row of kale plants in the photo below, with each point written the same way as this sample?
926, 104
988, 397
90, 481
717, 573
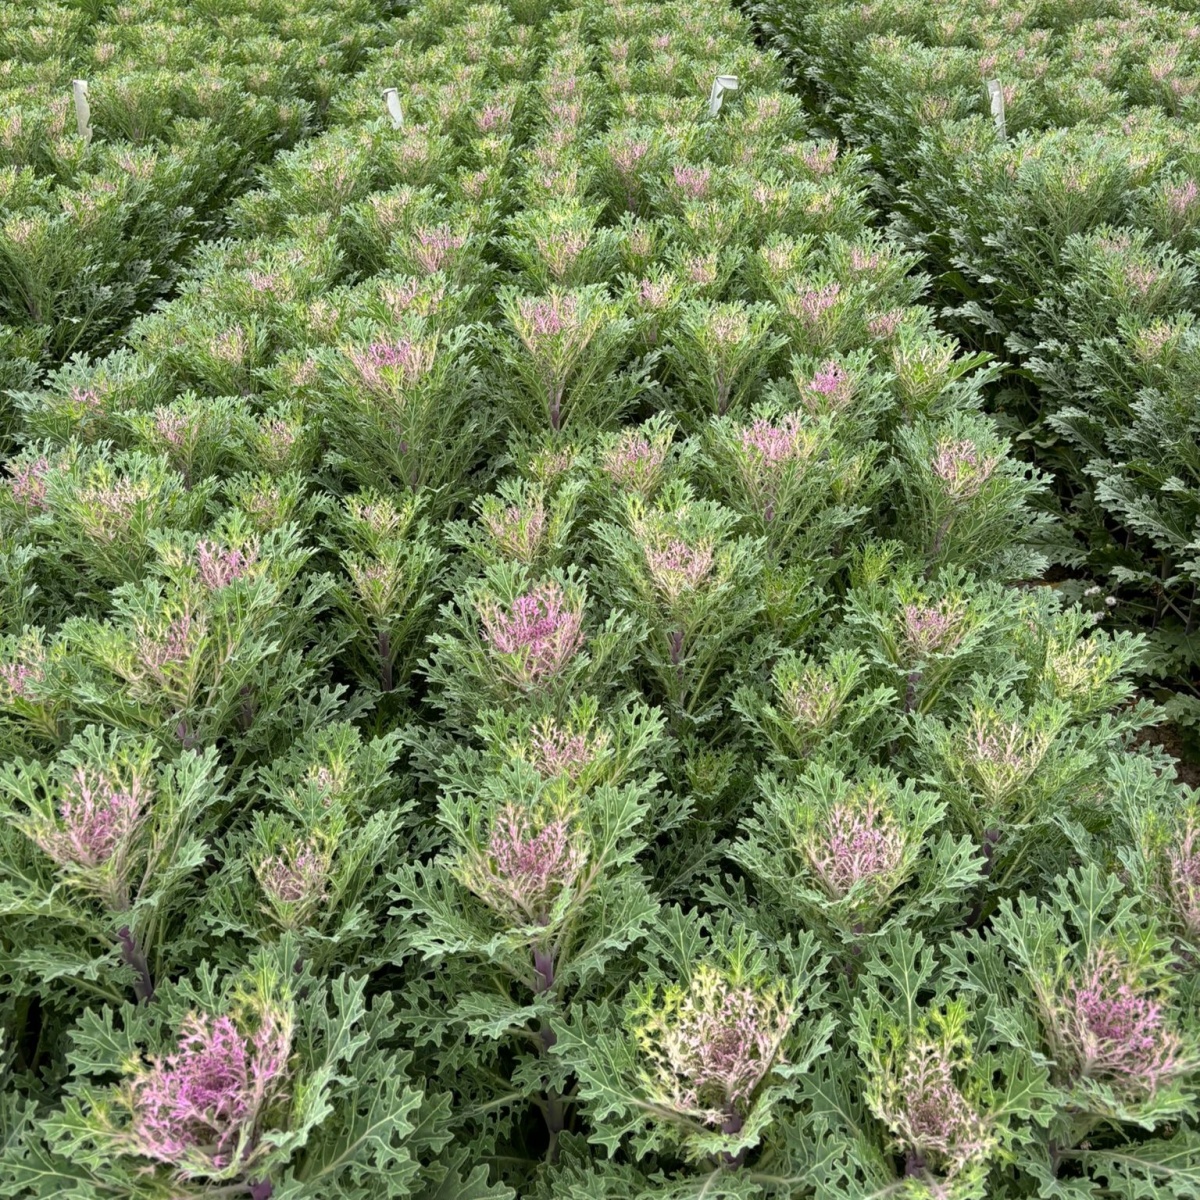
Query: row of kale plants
183, 104
192, 765
516, 681
1063, 237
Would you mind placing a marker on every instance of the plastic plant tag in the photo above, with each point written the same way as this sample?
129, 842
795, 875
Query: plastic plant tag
83, 111
391, 97
996, 97
721, 85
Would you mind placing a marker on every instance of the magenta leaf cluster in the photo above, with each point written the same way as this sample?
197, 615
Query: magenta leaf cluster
203, 1108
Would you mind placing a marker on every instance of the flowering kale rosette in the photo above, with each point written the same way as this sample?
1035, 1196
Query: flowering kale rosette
203, 1108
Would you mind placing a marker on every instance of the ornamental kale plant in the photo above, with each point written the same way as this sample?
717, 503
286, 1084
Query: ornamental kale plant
698, 1053
235, 1083
927, 1090
100, 847
850, 859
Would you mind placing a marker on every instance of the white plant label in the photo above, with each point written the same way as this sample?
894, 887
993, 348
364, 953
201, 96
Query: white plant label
83, 110
721, 85
391, 97
996, 97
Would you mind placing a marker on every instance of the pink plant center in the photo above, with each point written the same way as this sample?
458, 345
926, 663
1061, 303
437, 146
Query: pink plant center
565, 115
864, 260
554, 751
1181, 197
95, 818
379, 515
20, 230
712, 1044
383, 365
526, 866
414, 152
1183, 878
678, 566
28, 484
931, 1116
413, 295
205, 1104
432, 248
883, 326
830, 387
1115, 244
628, 156
641, 245
297, 876
934, 1102
219, 566
375, 582
780, 260
1115, 1029
548, 465
654, 294
560, 251
766, 109
820, 160
692, 182
85, 399
773, 445
278, 439
1150, 342
770, 199
811, 305
855, 842
517, 531
114, 506
812, 701
997, 743
1141, 277
702, 269
174, 647
961, 468
927, 630
328, 782
635, 462
1162, 63
542, 629
266, 505
542, 317
230, 346
175, 429
728, 328
19, 680
324, 779
493, 116
140, 166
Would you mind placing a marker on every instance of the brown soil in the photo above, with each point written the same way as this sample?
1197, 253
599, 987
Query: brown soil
1166, 735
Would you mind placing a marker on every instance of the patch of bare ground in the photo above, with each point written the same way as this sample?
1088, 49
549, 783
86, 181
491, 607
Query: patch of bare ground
1168, 737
